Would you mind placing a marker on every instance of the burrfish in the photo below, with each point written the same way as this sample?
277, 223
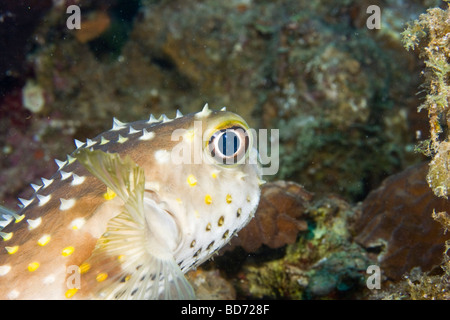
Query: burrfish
130, 211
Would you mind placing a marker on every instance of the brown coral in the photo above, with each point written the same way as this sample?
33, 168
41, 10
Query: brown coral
279, 218
397, 219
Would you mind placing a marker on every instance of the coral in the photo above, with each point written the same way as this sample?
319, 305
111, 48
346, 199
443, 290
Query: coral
396, 224
33, 97
430, 35
210, 285
93, 27
322, 263
279, 218
336, 101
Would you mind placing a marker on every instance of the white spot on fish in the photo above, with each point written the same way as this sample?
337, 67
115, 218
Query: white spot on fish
204, 113
77, 180
33, 224
103, 141
77, 224
4, 270
70, 159
43, 199
66, 204
25, 202
14, 294
49, 279
117, 125
60, 163
152, 119
162, 156
90, 143
133, 130
65, 175
121, 139
46, 182
35, 187
147, 135
78, 143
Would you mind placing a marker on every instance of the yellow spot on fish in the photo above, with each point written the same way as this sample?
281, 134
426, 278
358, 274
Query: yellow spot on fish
101, 277
238, 213
6, 236
179, 200
208, 199
84, 267
67, 251
221, 221
70, 293
189, 136
109, 194
33, 266
19, 218
229, 198
193, 243
214, 175
44, 240
12, 250
191, 180
208, 227
121, 258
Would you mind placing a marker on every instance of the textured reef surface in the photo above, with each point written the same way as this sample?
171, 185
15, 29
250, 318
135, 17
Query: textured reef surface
352, 190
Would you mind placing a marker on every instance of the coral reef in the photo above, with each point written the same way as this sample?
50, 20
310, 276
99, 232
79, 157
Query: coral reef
343, 97
210, 285
396, 224
322, 263
279, 218
430, 36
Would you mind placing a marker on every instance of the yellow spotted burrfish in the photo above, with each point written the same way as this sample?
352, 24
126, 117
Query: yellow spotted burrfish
132, 210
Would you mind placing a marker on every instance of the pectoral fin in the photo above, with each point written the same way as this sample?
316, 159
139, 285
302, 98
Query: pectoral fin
125, 263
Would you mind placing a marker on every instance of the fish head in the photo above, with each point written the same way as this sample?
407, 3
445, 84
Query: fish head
207, 178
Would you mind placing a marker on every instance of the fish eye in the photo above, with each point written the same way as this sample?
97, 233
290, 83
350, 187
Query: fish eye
229, 145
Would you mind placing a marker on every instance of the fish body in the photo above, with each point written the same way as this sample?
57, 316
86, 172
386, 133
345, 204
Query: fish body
130, 211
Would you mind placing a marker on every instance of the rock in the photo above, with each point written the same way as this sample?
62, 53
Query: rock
397, 223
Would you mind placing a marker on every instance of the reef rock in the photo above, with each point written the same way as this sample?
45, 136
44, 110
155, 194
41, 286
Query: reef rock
397, 223
279, 217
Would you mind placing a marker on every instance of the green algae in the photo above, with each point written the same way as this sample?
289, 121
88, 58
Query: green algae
430, 36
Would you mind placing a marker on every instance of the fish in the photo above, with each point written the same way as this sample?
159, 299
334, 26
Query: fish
130, 211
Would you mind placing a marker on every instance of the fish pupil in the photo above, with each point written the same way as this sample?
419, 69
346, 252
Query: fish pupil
229, 143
